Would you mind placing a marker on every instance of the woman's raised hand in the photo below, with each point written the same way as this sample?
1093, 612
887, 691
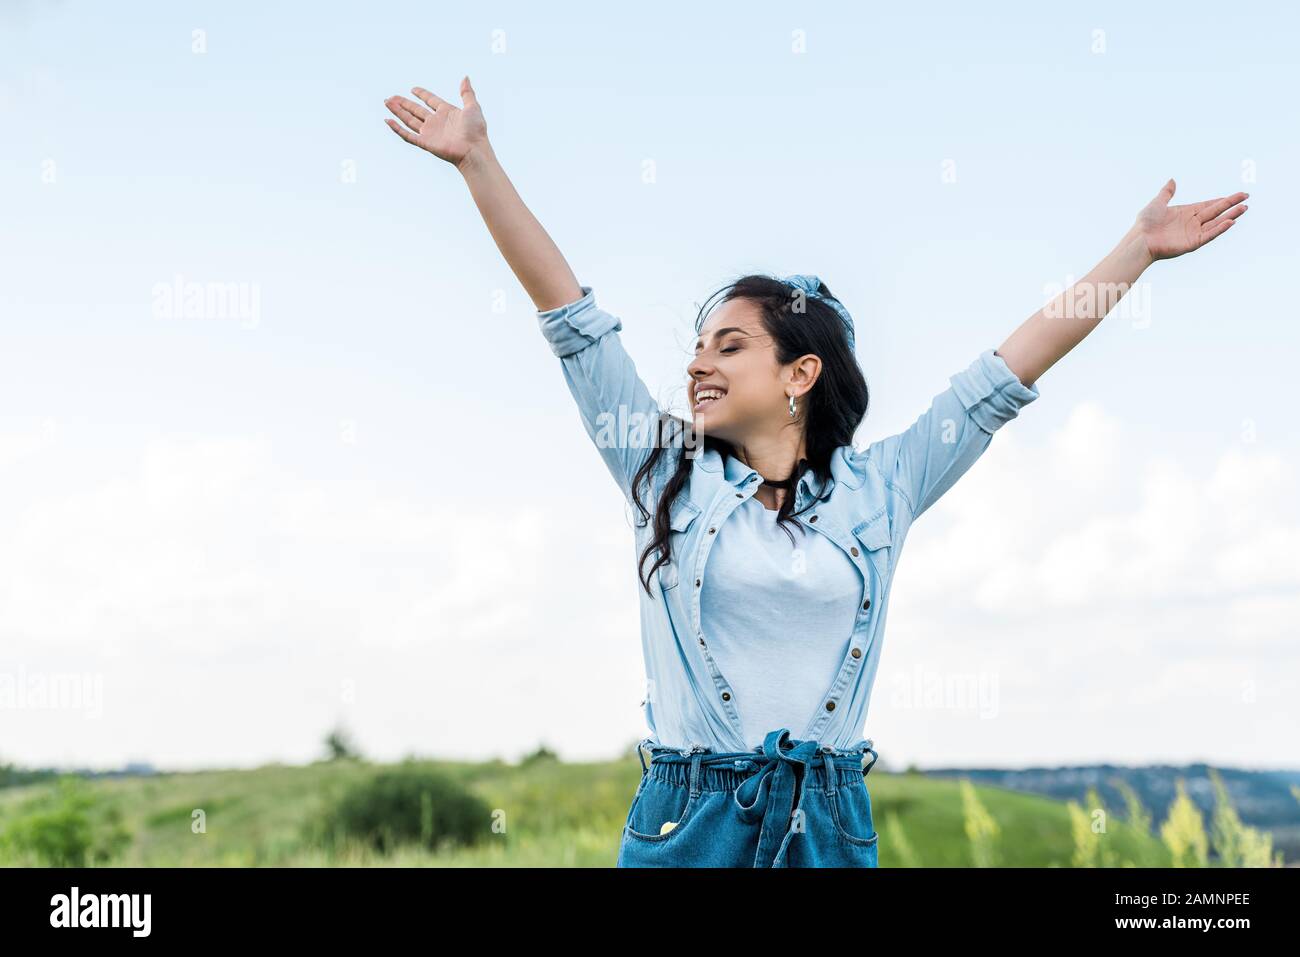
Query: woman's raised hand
448, 132
1170, 231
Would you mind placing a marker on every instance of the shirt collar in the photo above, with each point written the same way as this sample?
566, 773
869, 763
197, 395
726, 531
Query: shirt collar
736, 472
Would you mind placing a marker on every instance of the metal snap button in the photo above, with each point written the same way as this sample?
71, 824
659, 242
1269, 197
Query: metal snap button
857, 652
854, 550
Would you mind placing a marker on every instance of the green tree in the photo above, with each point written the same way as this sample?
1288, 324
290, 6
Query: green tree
1149, 853
1235, 843
543, 753
1184, 831
1089, 827
340, 747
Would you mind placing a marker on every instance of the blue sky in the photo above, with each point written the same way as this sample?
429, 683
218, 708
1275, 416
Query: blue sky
374, 502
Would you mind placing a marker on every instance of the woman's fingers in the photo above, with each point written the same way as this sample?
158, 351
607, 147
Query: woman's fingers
412, 107
401, 108
1227, 217
403, 133
1216, 228
1215, 207
434, 102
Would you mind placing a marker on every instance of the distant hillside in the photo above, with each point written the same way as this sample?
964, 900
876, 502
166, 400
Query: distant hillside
557, 814
1263, 799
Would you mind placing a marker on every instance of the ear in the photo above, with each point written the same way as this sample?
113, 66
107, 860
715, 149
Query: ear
804, 372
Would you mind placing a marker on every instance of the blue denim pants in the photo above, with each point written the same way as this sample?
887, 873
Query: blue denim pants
787, 804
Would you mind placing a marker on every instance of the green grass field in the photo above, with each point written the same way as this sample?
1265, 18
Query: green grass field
554, 814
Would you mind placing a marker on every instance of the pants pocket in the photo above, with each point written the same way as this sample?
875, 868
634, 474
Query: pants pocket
851, 812
850, 808
658, 804
708, 832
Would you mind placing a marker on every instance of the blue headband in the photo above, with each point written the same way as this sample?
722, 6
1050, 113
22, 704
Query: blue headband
809, 285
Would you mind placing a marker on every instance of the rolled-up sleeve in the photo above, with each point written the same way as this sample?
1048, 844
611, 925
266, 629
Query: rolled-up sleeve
991, 393
616, 409
928, 458
574, 326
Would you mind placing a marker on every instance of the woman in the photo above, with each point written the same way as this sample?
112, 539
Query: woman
749, 633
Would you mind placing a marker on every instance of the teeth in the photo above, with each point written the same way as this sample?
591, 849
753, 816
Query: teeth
707, 394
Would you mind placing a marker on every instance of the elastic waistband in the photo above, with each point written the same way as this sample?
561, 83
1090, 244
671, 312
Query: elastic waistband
648, 744
726, 769
676, 770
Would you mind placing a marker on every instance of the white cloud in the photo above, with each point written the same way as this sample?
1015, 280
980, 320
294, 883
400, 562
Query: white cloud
1104, 583
229, 601
215, 590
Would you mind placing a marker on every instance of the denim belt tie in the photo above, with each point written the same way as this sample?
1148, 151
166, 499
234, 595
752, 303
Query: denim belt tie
775, 793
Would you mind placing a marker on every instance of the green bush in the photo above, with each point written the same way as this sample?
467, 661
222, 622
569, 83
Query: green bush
68, 827
406, 805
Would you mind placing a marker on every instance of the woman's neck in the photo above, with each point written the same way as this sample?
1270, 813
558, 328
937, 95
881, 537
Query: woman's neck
775, 461
778, 466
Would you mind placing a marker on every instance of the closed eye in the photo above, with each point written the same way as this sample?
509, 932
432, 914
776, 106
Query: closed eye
762, 335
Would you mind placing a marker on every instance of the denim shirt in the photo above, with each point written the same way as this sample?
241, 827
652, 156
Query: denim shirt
872, 498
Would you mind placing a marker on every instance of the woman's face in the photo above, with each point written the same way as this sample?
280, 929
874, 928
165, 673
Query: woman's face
734, 355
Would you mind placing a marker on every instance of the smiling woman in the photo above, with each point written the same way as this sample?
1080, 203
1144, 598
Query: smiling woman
749, 636
774, 343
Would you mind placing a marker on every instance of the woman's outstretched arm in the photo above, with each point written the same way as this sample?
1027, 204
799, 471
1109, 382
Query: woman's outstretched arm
1161, 231
927, 458
617, 411
459, 136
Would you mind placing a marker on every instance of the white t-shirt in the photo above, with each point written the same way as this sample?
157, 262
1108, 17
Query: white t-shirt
781, 652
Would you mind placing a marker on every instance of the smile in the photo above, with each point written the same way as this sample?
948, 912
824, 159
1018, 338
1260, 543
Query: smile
707, 398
